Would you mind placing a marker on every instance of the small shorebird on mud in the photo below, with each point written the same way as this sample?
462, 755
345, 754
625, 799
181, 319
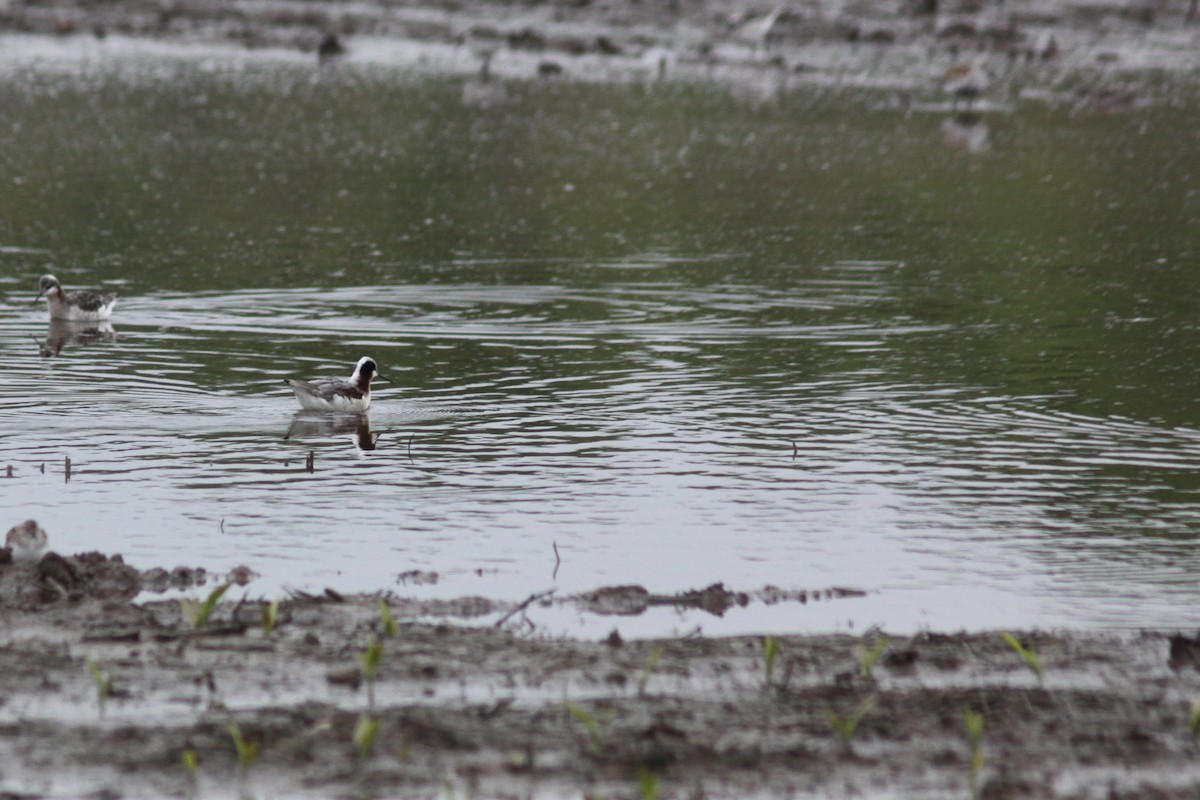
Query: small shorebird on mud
26, 541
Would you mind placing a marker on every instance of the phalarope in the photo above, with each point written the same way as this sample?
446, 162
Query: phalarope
26, 541
77, 306
966, 81
335, 394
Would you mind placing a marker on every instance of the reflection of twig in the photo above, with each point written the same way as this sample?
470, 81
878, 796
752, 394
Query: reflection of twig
410, 438
795, 449
533, 598
557, 561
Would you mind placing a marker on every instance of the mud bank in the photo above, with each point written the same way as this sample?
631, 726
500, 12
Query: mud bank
1048, 45
106, 697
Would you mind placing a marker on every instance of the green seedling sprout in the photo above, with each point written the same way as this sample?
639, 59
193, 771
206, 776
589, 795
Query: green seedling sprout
190, 762
270, 613
246, 751
974, 724
198, 613
385, 618
1194, 716
868, 658
845, 728
364, 736
590, 725
369, 661
647, 784
103, 682
771, 652
651, 663
1030, 657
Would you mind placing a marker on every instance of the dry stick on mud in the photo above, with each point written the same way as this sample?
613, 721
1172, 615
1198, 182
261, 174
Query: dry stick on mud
533, 598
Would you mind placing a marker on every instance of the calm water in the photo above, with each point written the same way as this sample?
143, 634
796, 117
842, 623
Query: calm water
681, 337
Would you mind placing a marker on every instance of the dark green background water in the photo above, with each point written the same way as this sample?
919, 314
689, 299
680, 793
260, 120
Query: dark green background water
610, 311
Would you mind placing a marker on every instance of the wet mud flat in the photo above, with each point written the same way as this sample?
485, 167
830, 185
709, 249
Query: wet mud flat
107, 697
898, 44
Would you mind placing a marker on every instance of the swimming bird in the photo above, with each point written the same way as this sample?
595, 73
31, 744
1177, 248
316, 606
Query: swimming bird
966, 81
335, 394
26, 541
77, 306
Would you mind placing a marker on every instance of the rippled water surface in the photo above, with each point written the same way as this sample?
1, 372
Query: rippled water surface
679, 337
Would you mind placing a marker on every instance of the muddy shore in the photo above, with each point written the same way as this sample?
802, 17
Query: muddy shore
108, 697
1047, 47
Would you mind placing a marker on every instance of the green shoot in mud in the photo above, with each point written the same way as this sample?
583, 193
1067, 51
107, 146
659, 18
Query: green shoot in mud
1194, 716
103, 682
845, 727
1030, 657
868, 658
647, 784
386, 620
771, 652
369, 662
364, 736
247, 752
198, 613
651, 663
974, 724
190, 762
270, 613
589, 723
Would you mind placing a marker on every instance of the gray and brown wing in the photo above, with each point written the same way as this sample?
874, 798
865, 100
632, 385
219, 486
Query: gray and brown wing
329, 388
90, 301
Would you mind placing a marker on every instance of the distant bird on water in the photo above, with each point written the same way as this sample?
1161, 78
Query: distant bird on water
966, 81
330, 47
74, 306
351, 395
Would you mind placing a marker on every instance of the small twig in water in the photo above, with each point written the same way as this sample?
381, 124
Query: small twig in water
795, 449
67, 470
533, 598
410, 438
310, 461
557, 560
222, 524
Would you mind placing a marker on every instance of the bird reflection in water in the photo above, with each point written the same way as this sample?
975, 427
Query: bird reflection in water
967, 132
319, 425
65, 333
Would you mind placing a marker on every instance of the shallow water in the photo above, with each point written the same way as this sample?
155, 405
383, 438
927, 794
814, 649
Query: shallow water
681, 337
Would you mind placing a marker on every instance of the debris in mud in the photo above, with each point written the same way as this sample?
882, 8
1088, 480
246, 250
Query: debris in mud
55, 578
160, 580
1184, 652
714, 599
417, 577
